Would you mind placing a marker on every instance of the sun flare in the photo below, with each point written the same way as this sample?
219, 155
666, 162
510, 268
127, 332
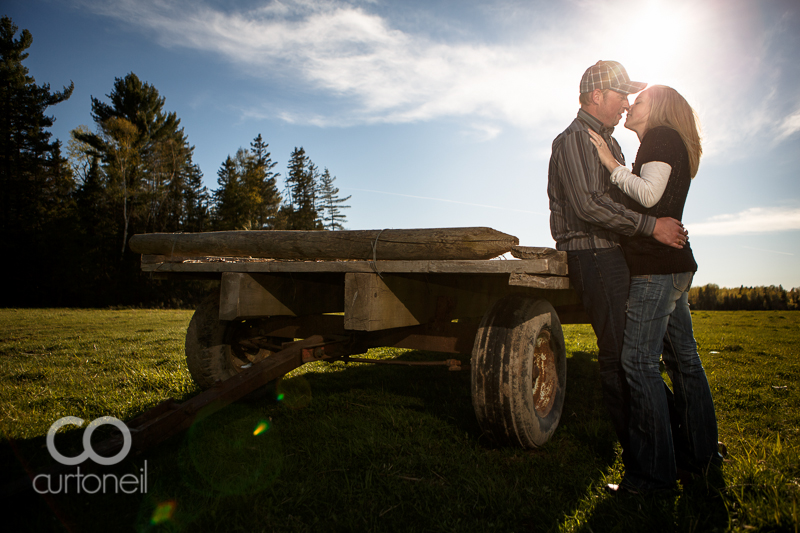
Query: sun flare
655, 38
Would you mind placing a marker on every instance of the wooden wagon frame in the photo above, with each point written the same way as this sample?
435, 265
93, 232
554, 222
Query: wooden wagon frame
505, 314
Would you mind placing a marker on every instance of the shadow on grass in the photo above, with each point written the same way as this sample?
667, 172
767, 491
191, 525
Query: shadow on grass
696, 509
372, 448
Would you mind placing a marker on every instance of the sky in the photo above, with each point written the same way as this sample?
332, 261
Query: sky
442, 113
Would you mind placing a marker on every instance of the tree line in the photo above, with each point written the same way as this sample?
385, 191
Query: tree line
712, 297
66, 215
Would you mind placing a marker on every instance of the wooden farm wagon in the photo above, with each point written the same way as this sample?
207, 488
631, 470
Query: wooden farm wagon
289, 297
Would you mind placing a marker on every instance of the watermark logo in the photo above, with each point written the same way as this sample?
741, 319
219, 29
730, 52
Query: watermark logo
88, 451
90, 483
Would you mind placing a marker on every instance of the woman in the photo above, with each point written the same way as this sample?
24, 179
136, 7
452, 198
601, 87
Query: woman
658, 319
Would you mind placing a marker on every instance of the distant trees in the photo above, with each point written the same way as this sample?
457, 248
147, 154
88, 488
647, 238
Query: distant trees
33, 176
148, 174
68, 217
247, 197
134, 174
299, 210
35, 179
712, 297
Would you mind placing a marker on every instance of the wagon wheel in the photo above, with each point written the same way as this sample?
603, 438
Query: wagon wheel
219, 349
519, 371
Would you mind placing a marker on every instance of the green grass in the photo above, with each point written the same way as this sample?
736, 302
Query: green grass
383, 448
87, 363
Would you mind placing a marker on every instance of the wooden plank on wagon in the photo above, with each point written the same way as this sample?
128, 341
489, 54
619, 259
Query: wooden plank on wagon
528, 266
532, 252
258, 295
538, 282
386, 244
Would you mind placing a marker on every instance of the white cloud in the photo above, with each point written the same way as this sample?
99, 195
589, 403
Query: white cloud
789, 126
768, 251
482, 132
376, 72
750, 221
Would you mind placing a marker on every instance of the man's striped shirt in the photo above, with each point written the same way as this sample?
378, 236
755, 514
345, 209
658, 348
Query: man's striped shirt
586, 210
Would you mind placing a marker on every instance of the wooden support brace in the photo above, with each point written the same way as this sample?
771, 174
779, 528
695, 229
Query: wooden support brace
260, 295
373, 302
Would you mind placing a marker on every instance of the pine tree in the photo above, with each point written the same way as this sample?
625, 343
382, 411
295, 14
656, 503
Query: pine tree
28, 159
247, 197
140, 103
228, 200
329, 202
144, 166
299, 212
35, 181
135, 130
264, 180
196, 200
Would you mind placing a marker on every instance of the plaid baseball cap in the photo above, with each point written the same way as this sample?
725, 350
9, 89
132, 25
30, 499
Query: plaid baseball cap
609, 75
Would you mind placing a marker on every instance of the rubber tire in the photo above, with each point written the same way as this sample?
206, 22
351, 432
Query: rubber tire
518, 388
207, 355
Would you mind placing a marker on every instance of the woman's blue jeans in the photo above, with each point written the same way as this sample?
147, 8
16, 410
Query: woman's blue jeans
659, 325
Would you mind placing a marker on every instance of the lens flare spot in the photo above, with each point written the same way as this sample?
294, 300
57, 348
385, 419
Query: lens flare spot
261, 428
294, 393
163, 512
226, 457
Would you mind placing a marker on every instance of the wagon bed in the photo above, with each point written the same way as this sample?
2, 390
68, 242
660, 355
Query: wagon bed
505, 313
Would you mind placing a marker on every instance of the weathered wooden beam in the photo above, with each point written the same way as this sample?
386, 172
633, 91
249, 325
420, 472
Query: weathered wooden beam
258, 295
532, 252
387, 244
538, 282
527, 266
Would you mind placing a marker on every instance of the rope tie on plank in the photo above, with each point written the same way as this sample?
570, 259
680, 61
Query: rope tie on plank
373, 263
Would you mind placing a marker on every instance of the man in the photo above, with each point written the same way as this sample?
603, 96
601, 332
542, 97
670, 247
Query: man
588, 219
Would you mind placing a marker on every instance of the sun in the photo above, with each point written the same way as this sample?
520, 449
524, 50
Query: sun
654, 38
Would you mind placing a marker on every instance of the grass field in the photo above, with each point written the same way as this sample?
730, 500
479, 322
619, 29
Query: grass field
381, 448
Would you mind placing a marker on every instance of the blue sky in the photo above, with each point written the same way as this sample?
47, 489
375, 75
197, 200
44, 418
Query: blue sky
442, 113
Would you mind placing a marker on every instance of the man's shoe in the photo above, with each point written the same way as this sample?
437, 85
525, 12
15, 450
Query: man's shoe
619, 490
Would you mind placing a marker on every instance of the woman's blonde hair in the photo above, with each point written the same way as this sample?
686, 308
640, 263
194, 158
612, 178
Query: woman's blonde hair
669, 108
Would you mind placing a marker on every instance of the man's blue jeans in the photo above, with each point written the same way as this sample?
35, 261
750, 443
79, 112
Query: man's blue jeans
601, 278
659, 322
